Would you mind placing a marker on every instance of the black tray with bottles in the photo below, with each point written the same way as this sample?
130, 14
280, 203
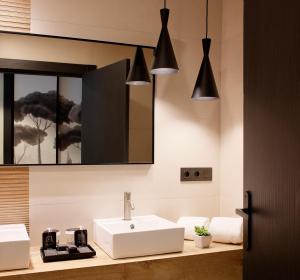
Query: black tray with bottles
80, 249
64, 253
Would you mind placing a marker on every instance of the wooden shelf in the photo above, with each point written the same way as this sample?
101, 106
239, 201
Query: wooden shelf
220, 258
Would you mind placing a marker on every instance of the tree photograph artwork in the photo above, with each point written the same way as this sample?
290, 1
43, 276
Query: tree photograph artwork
35, 108
28, 136
69, 120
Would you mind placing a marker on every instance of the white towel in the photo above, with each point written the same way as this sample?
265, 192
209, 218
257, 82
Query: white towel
189, 224
226, 230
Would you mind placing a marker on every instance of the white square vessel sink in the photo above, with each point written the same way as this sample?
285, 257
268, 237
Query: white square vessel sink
141, 236
14, 247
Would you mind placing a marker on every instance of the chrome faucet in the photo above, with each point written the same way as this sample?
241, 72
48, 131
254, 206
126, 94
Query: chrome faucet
128, 206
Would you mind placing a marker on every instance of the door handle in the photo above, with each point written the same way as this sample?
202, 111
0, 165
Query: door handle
246, 214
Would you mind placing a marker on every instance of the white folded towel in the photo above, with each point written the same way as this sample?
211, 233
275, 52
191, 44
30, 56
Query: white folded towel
226, 230
189, 224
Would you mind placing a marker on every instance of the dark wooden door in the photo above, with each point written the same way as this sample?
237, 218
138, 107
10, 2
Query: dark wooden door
272, 137
105, 115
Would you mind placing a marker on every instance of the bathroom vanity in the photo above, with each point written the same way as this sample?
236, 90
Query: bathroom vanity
221, 260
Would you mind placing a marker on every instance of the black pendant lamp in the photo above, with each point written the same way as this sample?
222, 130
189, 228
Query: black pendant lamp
205, 88
164, 57
138, 74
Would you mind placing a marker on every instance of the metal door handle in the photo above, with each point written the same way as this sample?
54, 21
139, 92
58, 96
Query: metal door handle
246, 214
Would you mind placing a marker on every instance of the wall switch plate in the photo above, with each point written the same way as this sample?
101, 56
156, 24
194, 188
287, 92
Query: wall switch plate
195, 174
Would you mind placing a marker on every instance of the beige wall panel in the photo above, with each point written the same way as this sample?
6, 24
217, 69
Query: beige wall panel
231, 153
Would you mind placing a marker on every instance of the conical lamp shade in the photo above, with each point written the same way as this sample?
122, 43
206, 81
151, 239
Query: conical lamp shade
205, 88
164, 59
138, 74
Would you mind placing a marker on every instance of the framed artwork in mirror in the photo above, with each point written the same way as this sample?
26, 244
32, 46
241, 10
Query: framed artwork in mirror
35, 106
69, 120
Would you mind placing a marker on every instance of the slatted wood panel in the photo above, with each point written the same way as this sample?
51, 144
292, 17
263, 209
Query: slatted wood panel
15, 15
14, 195
271, 137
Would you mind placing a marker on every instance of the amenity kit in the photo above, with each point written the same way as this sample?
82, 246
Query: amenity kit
76, 249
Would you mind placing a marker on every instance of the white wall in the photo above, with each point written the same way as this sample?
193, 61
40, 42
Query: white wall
187, 133
231, 153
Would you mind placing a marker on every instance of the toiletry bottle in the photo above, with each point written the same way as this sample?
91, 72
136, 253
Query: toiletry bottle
81, 237
50, 238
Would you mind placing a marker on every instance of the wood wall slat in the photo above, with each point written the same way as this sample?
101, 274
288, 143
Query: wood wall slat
13, 29
15, 4
15, 19
14, 24
14, 9
14, 195
15, 15
18, 1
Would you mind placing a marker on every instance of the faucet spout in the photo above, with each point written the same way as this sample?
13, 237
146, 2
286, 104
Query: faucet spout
128, 206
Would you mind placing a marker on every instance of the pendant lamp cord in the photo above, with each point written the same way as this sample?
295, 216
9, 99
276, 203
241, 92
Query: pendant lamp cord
165, 3
206, 18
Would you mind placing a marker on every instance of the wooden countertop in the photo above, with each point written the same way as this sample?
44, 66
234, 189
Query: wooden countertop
102, 259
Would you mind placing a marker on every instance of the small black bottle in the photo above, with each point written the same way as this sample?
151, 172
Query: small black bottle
50, 238
81, 237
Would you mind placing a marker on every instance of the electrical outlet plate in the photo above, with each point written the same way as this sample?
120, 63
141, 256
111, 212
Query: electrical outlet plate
195, 174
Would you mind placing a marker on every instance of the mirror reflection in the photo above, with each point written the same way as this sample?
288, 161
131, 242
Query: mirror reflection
66, 101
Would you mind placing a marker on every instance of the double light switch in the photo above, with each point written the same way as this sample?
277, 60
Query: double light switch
196, 174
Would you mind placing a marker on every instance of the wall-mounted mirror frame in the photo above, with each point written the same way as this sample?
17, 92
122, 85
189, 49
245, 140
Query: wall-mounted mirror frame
64, 69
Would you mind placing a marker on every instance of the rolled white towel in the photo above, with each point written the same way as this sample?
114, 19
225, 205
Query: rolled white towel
226, 230
189, 224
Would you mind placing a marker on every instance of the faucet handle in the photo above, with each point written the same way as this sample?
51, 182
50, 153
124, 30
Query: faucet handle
132, 206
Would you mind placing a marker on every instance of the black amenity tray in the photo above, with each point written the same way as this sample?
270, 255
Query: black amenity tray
55, 255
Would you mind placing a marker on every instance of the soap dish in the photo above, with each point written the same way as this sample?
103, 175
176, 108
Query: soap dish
65, 253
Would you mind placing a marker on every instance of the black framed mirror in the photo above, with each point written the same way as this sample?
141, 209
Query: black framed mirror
64, 101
